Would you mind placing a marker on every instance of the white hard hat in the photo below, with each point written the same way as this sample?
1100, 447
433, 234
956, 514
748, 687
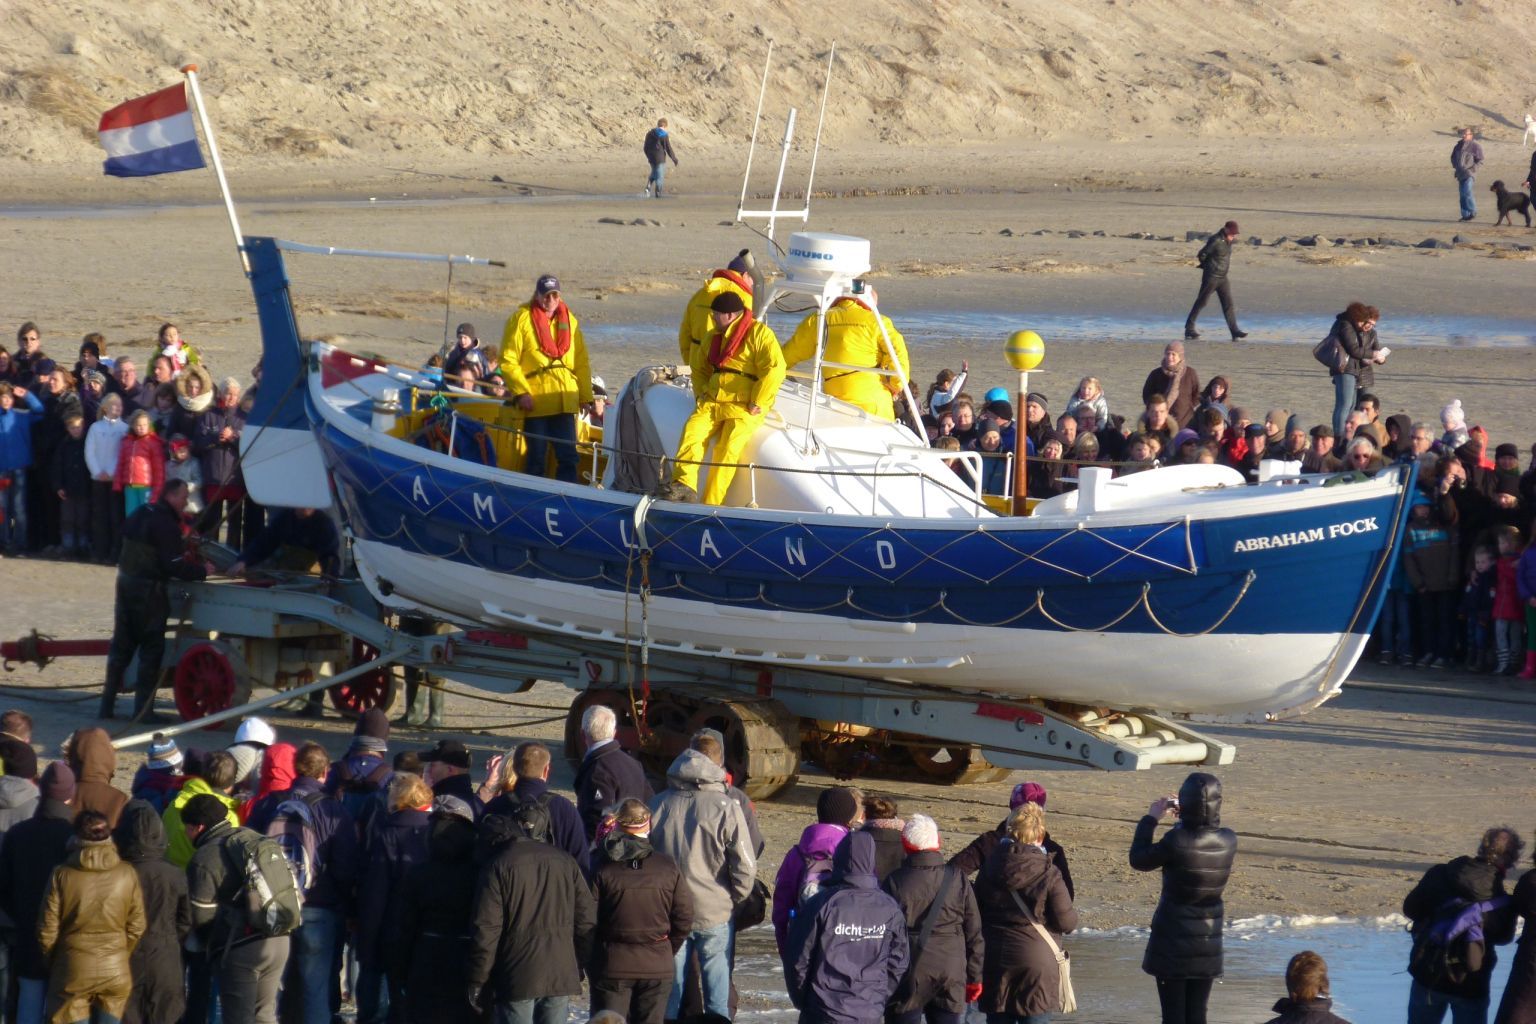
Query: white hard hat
254, 730
597, 382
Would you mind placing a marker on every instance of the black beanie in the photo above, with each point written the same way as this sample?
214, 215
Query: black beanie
727, 302
373, 723
836, 806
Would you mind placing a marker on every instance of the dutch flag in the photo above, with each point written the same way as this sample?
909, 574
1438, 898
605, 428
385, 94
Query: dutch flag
150, 135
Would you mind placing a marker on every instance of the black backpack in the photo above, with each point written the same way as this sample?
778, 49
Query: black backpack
532, 818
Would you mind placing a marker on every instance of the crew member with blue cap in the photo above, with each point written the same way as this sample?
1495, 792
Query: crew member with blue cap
544, 364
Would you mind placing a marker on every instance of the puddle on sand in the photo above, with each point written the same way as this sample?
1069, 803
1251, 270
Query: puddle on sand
1366, 964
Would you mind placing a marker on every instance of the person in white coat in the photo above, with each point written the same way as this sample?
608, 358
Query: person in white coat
103, 441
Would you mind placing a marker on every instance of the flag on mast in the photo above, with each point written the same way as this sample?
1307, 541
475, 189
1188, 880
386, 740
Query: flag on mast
150, 135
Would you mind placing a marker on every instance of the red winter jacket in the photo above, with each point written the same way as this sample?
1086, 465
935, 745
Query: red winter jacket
141, 463
1506, 593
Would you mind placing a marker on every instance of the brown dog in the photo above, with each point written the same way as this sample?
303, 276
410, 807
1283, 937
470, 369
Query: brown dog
1511, 202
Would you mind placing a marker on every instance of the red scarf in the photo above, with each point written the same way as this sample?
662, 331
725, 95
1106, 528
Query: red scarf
740, 281
723, 349
553, 343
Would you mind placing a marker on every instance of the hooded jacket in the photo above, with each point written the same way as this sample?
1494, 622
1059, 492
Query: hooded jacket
1019, 971
220, 459
188, 406
953, 956
848, 947
94, 762
93, 917
698, 825
533, 923
32, 849
818, 842
1196, 858
16, 433
179, 848
18, 801
644, 910
159, 992
1465, 880
971, 859
437, 904
889, 853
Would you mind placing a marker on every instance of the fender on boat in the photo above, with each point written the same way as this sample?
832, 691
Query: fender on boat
279, 454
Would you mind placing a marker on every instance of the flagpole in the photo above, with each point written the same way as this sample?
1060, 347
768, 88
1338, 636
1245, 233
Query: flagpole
190, 70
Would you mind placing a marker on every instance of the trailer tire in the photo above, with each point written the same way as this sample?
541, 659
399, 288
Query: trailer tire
375, 689
207, 678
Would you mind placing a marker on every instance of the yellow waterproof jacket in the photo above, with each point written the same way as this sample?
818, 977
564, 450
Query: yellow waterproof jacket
698, 326
853, 337
751, 377
557, 385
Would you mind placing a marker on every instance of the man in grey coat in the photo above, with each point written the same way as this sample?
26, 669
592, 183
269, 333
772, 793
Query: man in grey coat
1466, 158
1215, 260
697, 824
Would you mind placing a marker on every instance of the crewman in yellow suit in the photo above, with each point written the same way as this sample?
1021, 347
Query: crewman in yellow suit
544, 364
742, 368
853, 338
697, 328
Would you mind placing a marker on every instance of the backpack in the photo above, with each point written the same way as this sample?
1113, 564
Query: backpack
293, 830
1449, 948
359, 793
272, 900
818, 871
532, 819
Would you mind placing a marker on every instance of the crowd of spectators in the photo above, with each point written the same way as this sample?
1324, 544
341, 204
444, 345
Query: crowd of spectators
85, 443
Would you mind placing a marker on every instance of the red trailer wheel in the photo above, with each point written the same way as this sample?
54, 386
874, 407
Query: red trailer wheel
375, 689
205, 681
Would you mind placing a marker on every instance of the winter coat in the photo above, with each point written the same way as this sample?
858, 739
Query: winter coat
848, 948
179, 848
658, 146
644, 911
1466, 158
16, 433
94, 762
1215, 256
698, 825
1430, 556
1360, 348
565, 830
698, 326
141, 463
817, 843
220, 459
192, 473
190, 408
437, 904
336, 843
397, 845
1019, 972
608, 776
889, 853
1477, 598
159, 993
971, 859
1525, 573
48, 430
1518, 1005
32, 849
215, 882
533, 924
1506, 592
70, 473
1312, 1011
750, 377
93, 917
1467, 880
1196, 857
18, 802
952, 958
854, 336
1183, 394
558, 384
103, 444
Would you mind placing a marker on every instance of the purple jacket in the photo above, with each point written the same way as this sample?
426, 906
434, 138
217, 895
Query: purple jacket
817, 842
1525, 573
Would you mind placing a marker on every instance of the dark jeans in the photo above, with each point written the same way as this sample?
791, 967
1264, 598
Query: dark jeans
639, 1002
1437, 622
106, 520
551, 1010
1184, 999
1223, 290
138, 626
543, 432
75, 524
918, 1016
250, 975
14, 511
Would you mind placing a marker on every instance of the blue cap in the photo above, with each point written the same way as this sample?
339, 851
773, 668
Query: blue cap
995, 395
548, 283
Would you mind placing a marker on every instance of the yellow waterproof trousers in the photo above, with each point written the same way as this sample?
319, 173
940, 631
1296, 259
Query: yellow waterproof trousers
730, 431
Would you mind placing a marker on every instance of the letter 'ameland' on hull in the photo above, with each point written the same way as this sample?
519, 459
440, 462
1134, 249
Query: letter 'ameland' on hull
845, 564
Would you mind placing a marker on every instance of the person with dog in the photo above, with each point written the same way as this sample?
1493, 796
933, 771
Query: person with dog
1215, 259
1466, 158
1354, 330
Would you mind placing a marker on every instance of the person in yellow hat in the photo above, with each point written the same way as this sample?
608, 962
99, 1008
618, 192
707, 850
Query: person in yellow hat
698, 326
853, 338
544, 364
742, 367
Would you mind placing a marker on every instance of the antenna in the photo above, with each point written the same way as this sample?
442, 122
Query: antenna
773, 213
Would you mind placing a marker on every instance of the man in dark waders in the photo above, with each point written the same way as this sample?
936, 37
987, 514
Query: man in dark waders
154, 553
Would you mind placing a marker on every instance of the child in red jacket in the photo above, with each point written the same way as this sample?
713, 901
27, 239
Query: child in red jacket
1508, 615
140, 464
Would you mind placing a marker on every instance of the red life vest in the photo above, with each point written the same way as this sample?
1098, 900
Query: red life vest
553, 343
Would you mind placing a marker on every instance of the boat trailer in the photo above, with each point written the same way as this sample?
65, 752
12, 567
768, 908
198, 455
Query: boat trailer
298, 634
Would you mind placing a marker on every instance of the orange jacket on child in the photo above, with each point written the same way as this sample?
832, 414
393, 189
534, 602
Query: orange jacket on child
141, 463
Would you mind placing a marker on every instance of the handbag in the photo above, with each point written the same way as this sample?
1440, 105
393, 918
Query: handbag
1065, 994
753, 910
1331, 354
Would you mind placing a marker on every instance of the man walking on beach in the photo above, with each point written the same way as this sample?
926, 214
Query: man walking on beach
1215, 259
658, 147
1466, 158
